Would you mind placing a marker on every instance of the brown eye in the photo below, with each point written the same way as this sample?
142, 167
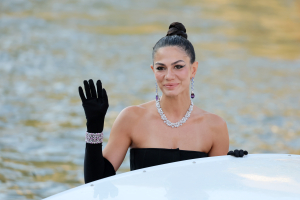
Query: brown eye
159, 68
179, 66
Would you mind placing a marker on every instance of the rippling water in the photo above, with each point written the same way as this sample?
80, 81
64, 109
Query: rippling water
249, 57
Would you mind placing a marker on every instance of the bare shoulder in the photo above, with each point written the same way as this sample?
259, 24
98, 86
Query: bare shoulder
132, 114
137, 110
212, 121
217, 132
215, 121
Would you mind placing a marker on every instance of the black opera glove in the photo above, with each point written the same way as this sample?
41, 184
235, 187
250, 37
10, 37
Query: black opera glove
95, 106
237, 153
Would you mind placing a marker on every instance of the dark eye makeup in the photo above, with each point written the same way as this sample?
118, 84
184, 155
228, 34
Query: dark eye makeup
159, 68
179, 66
176, 67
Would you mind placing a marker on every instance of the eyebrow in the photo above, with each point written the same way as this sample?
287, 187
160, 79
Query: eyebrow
157, 63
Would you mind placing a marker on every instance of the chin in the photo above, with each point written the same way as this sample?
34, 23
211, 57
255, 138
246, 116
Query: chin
171, 93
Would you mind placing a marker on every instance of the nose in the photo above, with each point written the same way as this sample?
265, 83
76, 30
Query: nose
170, 74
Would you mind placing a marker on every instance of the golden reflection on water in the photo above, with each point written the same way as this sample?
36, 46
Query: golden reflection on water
265, 28
248, 52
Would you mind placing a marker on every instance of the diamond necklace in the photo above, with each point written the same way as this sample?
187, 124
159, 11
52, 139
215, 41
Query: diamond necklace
176, 124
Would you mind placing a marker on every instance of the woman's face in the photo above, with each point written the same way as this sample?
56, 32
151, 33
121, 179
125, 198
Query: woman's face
173, 70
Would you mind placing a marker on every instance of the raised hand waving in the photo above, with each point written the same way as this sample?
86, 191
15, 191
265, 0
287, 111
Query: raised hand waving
95, 105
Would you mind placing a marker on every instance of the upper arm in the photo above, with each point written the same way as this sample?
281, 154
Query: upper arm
220, 136
119, 139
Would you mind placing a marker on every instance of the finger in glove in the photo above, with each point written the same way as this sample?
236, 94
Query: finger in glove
81, 94
241, 152
104, 97
236, 153
99, 90
87, 89
92, 88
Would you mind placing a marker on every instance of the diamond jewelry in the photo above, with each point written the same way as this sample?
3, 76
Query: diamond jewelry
166, 121
192, 88
94, 138
156, 91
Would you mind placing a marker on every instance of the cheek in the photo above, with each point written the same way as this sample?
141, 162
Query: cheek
183, 75
159, 77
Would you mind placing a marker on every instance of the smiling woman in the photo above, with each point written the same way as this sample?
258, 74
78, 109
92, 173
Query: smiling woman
164, 130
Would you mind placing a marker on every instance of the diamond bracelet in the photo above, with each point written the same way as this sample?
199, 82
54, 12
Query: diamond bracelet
94, 138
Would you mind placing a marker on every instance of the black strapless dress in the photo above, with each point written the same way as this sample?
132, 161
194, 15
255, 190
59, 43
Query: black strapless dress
97, 167
147, 157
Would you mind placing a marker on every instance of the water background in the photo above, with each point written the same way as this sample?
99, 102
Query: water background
249, 74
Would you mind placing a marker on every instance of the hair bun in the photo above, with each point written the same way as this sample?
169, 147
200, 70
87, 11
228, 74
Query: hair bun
177, 28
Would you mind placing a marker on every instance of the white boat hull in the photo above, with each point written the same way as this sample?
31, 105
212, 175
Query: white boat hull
255, 176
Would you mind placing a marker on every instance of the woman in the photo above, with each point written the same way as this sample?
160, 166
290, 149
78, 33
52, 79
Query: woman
147, 128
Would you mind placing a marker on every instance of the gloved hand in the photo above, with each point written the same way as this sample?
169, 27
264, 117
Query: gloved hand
237, 153
94, 107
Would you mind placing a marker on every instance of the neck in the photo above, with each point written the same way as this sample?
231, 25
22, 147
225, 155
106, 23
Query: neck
175, 107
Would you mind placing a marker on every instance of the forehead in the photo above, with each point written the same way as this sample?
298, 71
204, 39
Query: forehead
170, 54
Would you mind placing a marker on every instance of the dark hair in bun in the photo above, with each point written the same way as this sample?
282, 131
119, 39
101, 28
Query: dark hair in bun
177, 28
176, 36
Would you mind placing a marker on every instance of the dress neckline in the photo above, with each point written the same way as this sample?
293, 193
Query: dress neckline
177, 149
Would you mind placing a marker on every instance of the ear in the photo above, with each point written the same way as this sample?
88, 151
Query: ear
152, 68
194, 69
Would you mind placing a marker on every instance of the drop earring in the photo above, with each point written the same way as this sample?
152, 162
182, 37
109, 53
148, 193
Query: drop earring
192, 88
156, 91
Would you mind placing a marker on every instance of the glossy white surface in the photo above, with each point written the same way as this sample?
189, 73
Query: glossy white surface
256, 176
